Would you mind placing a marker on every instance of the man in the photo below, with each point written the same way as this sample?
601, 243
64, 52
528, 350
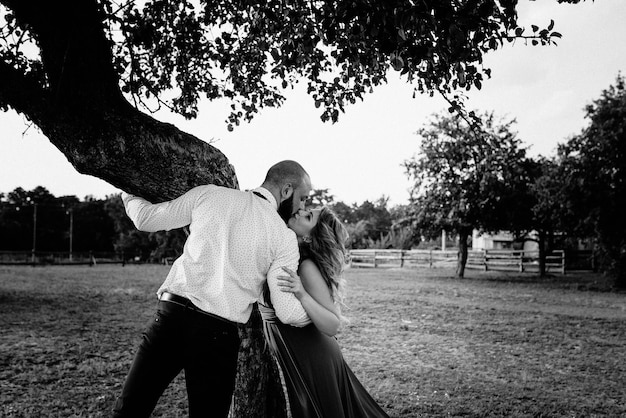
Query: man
237, 241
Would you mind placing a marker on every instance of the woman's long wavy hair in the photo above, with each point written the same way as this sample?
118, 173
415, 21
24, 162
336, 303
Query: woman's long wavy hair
326, 248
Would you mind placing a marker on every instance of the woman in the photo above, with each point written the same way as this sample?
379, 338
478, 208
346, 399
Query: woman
319, 382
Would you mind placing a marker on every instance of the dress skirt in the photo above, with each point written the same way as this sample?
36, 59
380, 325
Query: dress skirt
319, 382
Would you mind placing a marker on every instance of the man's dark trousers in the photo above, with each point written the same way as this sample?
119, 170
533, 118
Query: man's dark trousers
179, 338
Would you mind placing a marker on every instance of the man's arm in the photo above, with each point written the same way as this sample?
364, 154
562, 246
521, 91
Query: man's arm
288, 308
161, 216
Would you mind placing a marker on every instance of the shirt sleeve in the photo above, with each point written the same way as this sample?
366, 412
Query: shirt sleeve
288, 308
164, 216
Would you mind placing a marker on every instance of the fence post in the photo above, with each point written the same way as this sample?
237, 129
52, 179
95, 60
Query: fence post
593, 260
401, 258
374, 259
563, 262
485, 259
430, 259
521, 262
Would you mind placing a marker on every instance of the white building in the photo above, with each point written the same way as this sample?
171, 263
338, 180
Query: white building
500, 241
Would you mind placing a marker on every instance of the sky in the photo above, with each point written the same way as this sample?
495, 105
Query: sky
544, 88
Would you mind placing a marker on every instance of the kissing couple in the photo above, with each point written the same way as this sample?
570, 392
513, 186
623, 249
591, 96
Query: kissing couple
244, 247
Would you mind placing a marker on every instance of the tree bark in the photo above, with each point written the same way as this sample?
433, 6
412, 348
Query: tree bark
77, 103
258, 378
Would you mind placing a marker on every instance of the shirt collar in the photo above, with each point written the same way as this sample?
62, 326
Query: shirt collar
268, 195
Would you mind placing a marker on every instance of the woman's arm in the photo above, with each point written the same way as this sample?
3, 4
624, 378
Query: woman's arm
311, 290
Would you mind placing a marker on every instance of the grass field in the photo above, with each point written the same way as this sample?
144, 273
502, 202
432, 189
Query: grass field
423, 343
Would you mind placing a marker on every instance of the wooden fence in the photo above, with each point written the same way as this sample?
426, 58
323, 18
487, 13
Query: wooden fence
501, 260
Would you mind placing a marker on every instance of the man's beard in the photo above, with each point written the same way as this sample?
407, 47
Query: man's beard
285, 209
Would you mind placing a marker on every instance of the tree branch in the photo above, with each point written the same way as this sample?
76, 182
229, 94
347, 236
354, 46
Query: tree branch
22, 92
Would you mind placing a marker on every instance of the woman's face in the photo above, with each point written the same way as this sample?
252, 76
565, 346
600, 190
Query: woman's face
303, 221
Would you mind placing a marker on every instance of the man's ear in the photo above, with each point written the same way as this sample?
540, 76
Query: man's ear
286, 192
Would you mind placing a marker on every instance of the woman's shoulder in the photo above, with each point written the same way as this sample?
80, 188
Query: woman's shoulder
307, 262
316, 285
308, 268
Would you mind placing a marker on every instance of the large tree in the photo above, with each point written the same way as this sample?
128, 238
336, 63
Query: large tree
466, 179
594, 164
83, 70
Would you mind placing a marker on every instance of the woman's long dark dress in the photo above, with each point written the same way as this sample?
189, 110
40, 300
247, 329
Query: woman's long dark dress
319, 382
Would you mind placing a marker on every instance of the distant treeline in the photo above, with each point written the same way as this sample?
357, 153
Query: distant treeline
38, 219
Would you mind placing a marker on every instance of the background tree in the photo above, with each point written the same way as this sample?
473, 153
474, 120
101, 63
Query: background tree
321, 197
152, 247
92, 228
594, 163
534, 206
344, 212
25, 207
405, 236
464, 178
16, 221
71, 67
376, 221
543, 212
367, 223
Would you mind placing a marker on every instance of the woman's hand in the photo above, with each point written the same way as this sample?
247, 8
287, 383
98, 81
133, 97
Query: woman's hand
291, 283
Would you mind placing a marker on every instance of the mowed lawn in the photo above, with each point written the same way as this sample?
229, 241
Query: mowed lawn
422, 342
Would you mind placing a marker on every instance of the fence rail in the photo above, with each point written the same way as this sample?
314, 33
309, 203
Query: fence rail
60, 258
503, 260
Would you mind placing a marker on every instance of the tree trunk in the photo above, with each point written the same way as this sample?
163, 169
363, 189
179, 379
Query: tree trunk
464, 234
76, 102
541, 243
258, 378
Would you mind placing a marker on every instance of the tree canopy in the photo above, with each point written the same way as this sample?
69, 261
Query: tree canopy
248, 51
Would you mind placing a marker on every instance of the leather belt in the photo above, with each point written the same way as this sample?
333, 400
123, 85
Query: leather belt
186, 303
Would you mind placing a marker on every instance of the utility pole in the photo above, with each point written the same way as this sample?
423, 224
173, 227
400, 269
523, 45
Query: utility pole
443, 239
34, 232
71, 213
